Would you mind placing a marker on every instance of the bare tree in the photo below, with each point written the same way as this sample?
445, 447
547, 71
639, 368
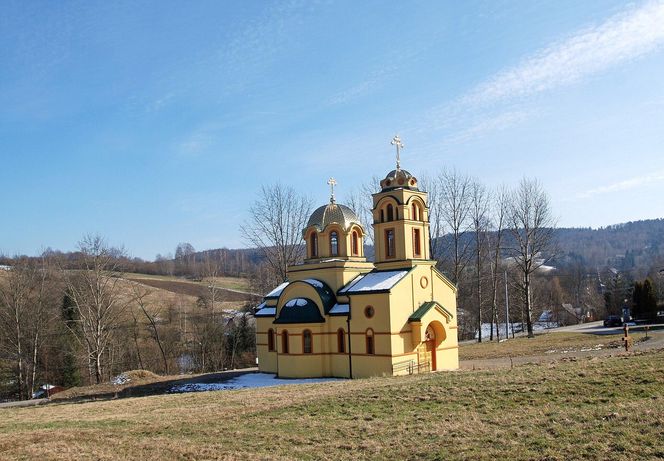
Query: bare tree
361, 202
436, 222
26, 310
500, 202
532, 228
96, 293
141, 294
275, 227
479, 216
455, 209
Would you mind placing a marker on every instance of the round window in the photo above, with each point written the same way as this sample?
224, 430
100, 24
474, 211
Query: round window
424, 282
412, 182
388, 183
369, 311
401, 181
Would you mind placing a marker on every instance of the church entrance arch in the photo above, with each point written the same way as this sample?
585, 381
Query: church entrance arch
434, 335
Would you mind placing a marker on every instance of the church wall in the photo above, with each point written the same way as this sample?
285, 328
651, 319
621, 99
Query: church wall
267, 361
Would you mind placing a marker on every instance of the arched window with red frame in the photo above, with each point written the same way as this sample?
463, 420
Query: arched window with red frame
341, 340
307, 342
390, 212
284, 342
369, 338
313, 245
334, 243
356, 243
416, 212
270, 339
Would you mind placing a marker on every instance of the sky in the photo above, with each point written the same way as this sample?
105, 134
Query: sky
154, 123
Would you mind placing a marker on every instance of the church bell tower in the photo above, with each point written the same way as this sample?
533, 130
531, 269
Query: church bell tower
400, 219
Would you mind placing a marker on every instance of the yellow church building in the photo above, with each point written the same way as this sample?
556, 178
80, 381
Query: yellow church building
339, 315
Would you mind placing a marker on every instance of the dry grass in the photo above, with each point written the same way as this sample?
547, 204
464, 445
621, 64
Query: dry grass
187, 287
541, 344
599, 408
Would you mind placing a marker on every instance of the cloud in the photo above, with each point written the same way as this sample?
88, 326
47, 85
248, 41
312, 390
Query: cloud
627, 184
623, 37
503, 99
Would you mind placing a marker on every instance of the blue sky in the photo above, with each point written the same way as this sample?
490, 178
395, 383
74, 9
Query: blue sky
153, 123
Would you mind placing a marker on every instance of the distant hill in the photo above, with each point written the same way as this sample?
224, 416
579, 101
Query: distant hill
637, 244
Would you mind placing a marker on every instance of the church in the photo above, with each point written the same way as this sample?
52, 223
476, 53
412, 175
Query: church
339, 315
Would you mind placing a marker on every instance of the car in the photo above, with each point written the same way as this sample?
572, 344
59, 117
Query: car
613, 321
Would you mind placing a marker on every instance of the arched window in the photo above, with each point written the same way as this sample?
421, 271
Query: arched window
334, 243
417, 246
390, 250
390, 212
341, 341
416, 212
313, 244
382, 216
356, 243
284, 342
306, 342
369, 337
270, 339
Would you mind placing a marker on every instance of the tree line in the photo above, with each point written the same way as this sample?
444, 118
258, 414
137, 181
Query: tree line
72, 326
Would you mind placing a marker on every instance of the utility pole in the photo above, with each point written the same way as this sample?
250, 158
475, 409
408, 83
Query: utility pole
507, 310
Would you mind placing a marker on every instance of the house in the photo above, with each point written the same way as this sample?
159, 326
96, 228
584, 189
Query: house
339, 315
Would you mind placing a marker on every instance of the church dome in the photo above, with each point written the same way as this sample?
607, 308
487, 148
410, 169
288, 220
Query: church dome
333, 213
399, 179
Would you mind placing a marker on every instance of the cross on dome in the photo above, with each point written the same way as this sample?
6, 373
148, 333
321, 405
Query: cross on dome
332, 182
396, 141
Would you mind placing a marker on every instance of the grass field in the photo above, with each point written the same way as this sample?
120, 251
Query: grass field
230, 289
232, 283
599, 408
545, 343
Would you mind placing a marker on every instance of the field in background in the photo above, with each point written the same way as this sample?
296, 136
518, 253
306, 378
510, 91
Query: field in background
230, 289
598, 408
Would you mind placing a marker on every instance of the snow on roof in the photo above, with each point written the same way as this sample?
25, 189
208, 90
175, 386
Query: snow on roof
340, 309
375, 281
260, 306
266, 312
315, 283
277, 291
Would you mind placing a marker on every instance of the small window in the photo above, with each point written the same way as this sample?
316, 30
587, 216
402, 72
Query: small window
284, 342
341, 341
270, 339
390, 212
416, 214
334, 244
369, 311
313, 243
356, 243
306, 342
382, 216
416, 242
389, 243
370, 342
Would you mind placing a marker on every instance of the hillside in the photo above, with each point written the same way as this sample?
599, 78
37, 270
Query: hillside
601, 408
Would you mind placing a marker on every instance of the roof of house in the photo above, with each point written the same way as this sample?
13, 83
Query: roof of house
424, 308
299, 310
374, 281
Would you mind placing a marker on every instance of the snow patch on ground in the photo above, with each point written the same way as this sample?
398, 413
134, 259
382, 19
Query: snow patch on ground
120, 379
598, 347
249, 380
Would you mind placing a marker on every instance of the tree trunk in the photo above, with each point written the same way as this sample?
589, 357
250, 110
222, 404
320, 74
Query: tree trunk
529, 322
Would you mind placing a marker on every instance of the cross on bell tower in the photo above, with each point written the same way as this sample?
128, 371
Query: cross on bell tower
332, 182
396, 141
